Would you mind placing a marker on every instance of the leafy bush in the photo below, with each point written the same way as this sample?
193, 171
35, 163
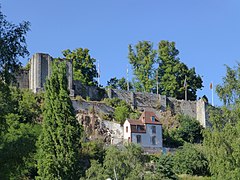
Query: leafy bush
190, 159
122, 110
189, 130
121, 113
165, 167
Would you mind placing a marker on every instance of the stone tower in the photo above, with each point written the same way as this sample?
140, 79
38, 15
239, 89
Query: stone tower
40, 70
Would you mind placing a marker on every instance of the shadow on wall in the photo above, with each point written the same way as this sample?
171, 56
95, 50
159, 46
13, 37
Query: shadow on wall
92, 92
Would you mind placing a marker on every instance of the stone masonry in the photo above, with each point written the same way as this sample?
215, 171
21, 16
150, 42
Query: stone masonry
40, 70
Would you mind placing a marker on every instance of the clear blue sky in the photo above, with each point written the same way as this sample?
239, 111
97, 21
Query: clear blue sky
206, 32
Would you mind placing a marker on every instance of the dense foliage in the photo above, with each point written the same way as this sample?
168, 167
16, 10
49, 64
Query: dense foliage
127, 162
84, 68
190, 159
19, 109
13, 46
229, 91
122, 110
189, 130
142, 59
122, 84
222, 140
59, 143
164, 165
173, 76
19, 132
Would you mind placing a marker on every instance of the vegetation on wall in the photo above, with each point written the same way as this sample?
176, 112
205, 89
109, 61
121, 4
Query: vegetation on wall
122, 110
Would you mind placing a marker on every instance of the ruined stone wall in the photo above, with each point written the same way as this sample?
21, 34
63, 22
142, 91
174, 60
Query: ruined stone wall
93, 92
97, 107
159, 103
139, 100
40, 70
23, 79
183, 107
121, 94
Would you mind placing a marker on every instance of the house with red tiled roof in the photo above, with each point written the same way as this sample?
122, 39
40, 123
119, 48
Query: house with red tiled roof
146, 131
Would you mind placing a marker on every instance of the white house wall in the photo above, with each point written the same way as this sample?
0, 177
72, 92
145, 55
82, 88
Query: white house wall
126, 135
146, 141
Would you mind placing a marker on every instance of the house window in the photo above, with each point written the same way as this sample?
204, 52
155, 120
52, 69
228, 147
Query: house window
153, 118
154, 140
127, 129
139, 139
154, 129
138, 128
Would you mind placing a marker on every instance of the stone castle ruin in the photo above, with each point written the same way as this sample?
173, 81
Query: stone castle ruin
40, 70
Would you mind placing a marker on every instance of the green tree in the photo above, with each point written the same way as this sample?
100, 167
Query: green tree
222, 141
172, 73
19, 133
5, 107
165, 167
18, 148
26, 104
84, 68
142, 59
124, 163
96, 171
189, 130
13, 45
59, 143
115, 83
121, 113
190, 159
123, 84
229, 91
222, 150
170, 139
91, 151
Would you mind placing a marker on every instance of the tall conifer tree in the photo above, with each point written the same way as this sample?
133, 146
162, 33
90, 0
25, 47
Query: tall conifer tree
59, 143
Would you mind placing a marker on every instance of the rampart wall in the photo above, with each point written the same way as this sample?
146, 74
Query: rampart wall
40, 69
139, 100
